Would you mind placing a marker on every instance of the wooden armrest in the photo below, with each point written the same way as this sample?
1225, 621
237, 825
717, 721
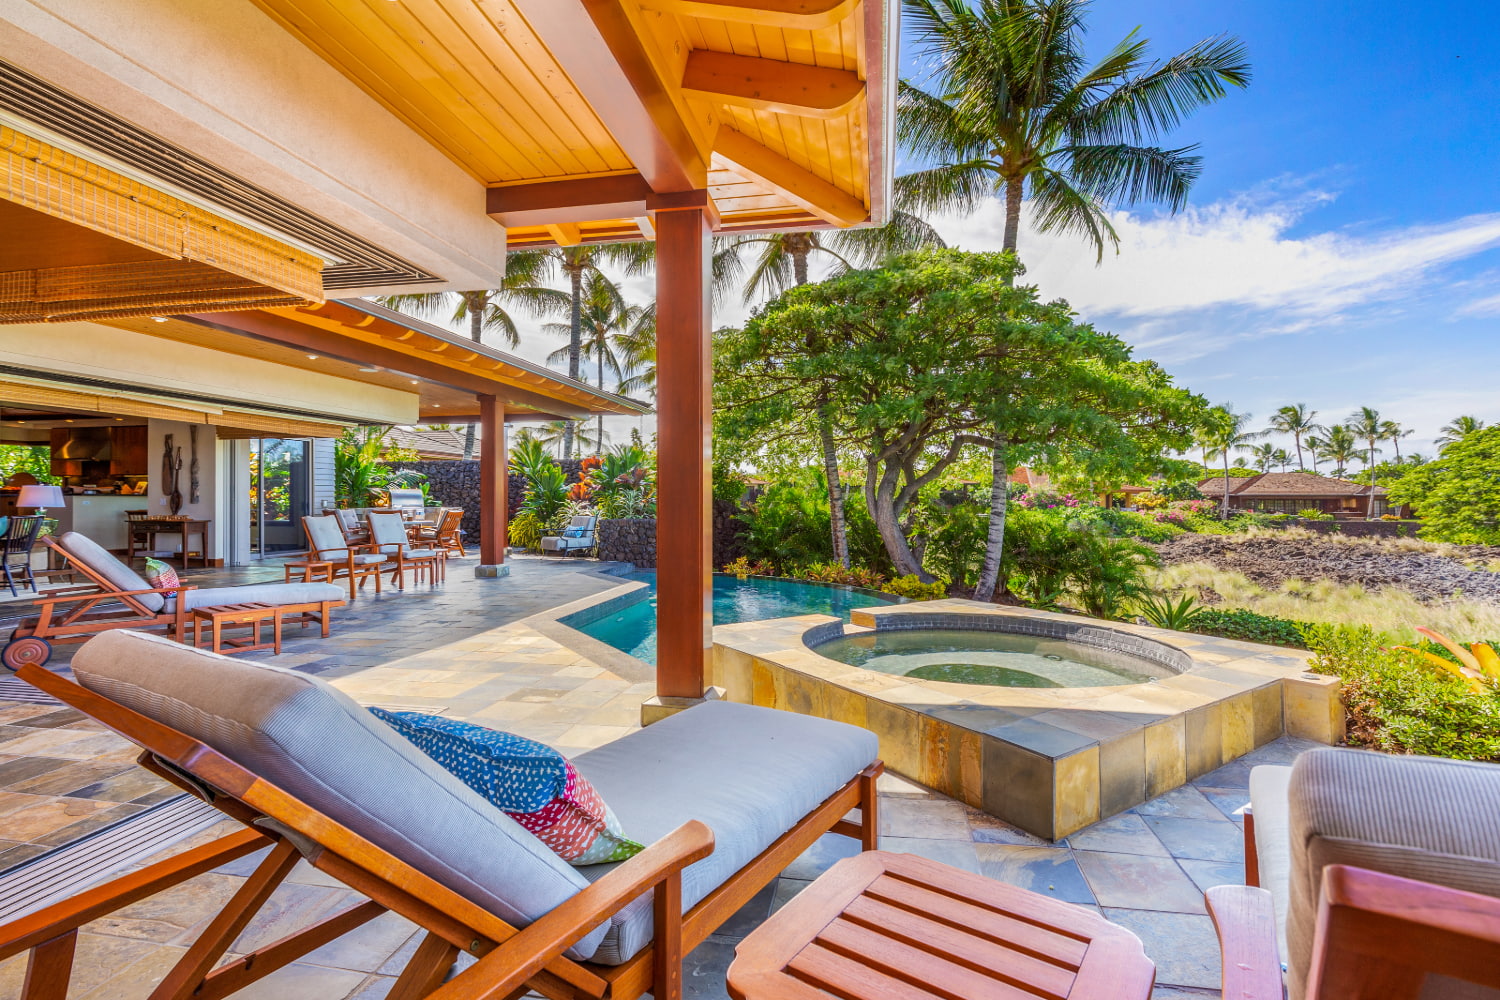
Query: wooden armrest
69, 914
1388, 933
1246, 923
514, 961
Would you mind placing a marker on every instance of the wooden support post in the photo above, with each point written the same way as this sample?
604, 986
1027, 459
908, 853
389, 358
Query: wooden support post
494, 488
684, 545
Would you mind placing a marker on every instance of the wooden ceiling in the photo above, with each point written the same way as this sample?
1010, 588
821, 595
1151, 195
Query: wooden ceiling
576, 113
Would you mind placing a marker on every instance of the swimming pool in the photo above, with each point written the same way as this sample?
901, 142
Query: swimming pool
631, 627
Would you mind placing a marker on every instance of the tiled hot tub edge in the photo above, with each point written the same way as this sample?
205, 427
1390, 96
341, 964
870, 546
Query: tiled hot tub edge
1051, 761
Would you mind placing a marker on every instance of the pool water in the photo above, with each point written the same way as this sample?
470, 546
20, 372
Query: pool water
1002, 659
633, 628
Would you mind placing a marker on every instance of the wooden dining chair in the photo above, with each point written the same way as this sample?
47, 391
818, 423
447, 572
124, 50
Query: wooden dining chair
388, 537
448, 534
358, 563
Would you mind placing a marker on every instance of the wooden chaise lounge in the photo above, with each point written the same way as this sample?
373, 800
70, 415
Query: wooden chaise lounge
726, 795
117, 597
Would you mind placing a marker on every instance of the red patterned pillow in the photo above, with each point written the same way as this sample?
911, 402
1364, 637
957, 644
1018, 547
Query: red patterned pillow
160, 574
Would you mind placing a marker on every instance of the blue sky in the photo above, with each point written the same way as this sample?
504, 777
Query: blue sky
1342, 247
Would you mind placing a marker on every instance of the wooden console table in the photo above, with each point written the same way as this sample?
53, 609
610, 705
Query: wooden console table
881, 925
154, 526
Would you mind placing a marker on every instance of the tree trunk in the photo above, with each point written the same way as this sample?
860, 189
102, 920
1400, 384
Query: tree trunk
896, 545
599, 437
994, 545
575, 345
1370, 506
799, 266
1013, 187
1298, 438
1225, 513
836, 521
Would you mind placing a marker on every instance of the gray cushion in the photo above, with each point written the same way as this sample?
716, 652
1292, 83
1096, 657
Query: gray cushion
315, 743
421, 553
262, 593
749, 773
1273, 838
89, 552
1418, 817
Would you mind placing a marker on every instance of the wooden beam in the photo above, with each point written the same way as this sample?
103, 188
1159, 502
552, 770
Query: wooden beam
565, 234
797, 15
590, 199
684, 617
596, 45
771, 85
756, 162
494, 486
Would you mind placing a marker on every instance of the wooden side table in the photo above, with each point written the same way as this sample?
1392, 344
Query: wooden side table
310, 570
880, 925
251, 614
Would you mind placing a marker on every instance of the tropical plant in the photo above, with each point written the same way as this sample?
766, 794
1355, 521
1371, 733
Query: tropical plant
35, 459
1314, 514
1225, 433
1457, 429
1250, 626
557, 435
913, 588
1281, 458
546, 495
360, 477
1478, 666
1264, 456
1340, 447
1112, 574
1297, 420
525, 530
527, 454
1162, 611
1366, 424
1392, 431
605, 317
489, 310
1456, 496
1016, 111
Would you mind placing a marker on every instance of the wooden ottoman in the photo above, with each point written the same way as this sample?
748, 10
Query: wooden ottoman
882, 925
252, 614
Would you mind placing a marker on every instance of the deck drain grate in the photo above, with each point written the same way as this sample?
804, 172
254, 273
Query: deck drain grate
64, 871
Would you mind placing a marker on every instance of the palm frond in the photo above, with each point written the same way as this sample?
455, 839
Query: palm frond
1129, 174
1063, 208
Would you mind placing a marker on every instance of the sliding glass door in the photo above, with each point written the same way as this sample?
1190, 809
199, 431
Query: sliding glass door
281, 486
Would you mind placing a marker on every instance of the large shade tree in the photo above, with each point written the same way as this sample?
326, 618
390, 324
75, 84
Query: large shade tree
1015, 110
488, 311
916, 351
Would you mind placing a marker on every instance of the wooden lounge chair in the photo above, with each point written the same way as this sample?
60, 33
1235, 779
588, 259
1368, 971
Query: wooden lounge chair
118, 597
727, 795
388, 534
358, 563
1371, 876
447, 533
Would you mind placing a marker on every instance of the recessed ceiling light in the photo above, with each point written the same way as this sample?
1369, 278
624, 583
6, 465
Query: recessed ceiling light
158, 319
312, 357
369, 369
67, 421
414, 382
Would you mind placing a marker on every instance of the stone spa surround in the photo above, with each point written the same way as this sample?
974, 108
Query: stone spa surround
1049, 760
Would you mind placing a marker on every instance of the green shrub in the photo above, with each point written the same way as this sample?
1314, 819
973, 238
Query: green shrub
956, 539
546, 493
525, 530
1314, 514
1051, 553
789, 527
1396, 704
1163, 612
1133, 524
1185, 490
913, 588
1250, 627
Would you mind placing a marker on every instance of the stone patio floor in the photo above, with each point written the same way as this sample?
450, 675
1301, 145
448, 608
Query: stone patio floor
488, 651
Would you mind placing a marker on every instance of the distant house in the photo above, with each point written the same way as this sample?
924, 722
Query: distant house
1040, 482
1289, 492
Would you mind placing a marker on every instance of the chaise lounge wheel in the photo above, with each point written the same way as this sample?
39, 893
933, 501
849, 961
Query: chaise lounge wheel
28, 649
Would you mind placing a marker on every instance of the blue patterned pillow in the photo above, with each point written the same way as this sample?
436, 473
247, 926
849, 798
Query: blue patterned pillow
529, 781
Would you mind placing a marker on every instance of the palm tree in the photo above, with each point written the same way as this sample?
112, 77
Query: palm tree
557, 434
603, 316
1264, 456
1340, 448
1016, 111
1391, 431
636, 348
1315, 448
1366, 423
1225, 434
1296, 420
1281, 458
488, 311
1457, 429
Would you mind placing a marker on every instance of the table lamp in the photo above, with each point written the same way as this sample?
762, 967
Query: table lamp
41, 496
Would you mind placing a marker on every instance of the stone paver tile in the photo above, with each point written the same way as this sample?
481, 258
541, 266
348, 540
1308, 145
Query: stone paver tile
704, 971
1184, 993
45, 815
1126, 833
12, 856
786, 888
747, 917
930, 819
375, 988
1185, 801
113, 813
987, 829
1235, 774
18, 712
1051, 871
304, 982
958, 853
1204, 840
59, 717
1139, 883
365, 948
168, 916
825, 852
76, 775
137, 978
291, 908
1207, 874
96, 960
1230, 801
49, 742
17, 769
892, 784
593, 736
1183, 945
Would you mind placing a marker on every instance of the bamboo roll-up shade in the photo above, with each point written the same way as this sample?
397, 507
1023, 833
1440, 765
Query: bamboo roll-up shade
232, 425
27, 394
210, 261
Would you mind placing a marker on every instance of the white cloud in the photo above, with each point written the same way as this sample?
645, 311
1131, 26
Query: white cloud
1239, 253
1489, 306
